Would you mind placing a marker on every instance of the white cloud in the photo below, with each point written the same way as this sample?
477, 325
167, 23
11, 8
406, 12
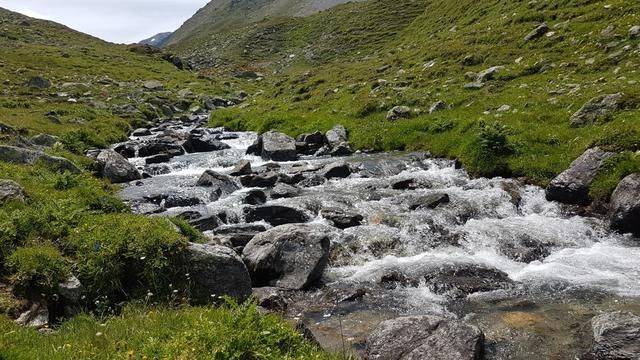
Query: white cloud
123, 21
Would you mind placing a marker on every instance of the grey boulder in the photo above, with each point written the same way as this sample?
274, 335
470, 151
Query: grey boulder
425, 337
616, 336
10, 190
18, 155
222, 184
572, 186
116, 168
624, 212
288, 256
278, 147
216, 271
597, 109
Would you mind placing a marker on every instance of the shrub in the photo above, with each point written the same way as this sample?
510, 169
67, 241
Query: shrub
38, 268
488, 152
79, 141
124, 255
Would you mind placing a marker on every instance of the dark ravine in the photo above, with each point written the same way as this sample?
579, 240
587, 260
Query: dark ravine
394, 235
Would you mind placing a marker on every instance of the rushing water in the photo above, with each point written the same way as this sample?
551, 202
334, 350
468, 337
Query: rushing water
577, 266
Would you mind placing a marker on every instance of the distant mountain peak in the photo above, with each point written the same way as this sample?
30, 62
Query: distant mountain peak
156, 40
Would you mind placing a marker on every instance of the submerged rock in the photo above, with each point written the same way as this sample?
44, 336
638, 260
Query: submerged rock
425, 337
616, 336
460, 280
624, 211
572, 186
288, 256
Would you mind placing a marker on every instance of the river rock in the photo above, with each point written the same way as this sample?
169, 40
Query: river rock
276, 214
624, 211
336, 136
336, 170
524, 248
425, 337
381, 168
216, 271
10, 190
597, 109
312, 180
429, 201
116, 168
157, 159
255, 197
141, 132
200, 221
243, 168
16, 155
281, 191
126, 149
239, 234
45, 140
204, 144
278, 147
572, 186
460, 280
616, 336
342, 219
289, 256
266, 180
222, 184
160, 146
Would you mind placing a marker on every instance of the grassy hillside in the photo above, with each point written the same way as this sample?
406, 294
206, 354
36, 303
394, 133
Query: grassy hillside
354, 62
73, 224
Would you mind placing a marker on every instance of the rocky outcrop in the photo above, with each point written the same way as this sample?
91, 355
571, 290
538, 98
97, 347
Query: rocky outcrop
278, 147
10, 190
425, 337
597, 109
276, 214
288, 256
572, 186
44, 140
616, 336
216, 271
18, 155
479, 80
116, 168
624, 212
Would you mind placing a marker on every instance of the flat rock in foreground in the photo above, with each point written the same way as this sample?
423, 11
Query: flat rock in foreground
425, 337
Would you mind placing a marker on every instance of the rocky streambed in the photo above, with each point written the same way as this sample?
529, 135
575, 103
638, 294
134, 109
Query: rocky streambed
394, 255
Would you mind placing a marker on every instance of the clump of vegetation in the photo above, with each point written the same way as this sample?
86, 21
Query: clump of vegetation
38, 268
229, 332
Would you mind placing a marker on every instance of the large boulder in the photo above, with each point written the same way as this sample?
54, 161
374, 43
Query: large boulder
160, 146
216, 271
116, 168
278, 147
425, 337
336, 136
572, 186
625, 206
288, 256
616, 336
10, 190
16, 155
276, 214
599, 108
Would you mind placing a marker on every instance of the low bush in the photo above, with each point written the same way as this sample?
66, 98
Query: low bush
38, 268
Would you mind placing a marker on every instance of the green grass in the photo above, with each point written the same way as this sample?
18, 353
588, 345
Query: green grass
141, 332
548, 83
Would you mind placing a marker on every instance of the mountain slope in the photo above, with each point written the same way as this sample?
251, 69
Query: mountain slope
352, 63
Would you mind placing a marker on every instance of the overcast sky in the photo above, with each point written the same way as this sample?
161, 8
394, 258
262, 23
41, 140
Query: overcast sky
121, 21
